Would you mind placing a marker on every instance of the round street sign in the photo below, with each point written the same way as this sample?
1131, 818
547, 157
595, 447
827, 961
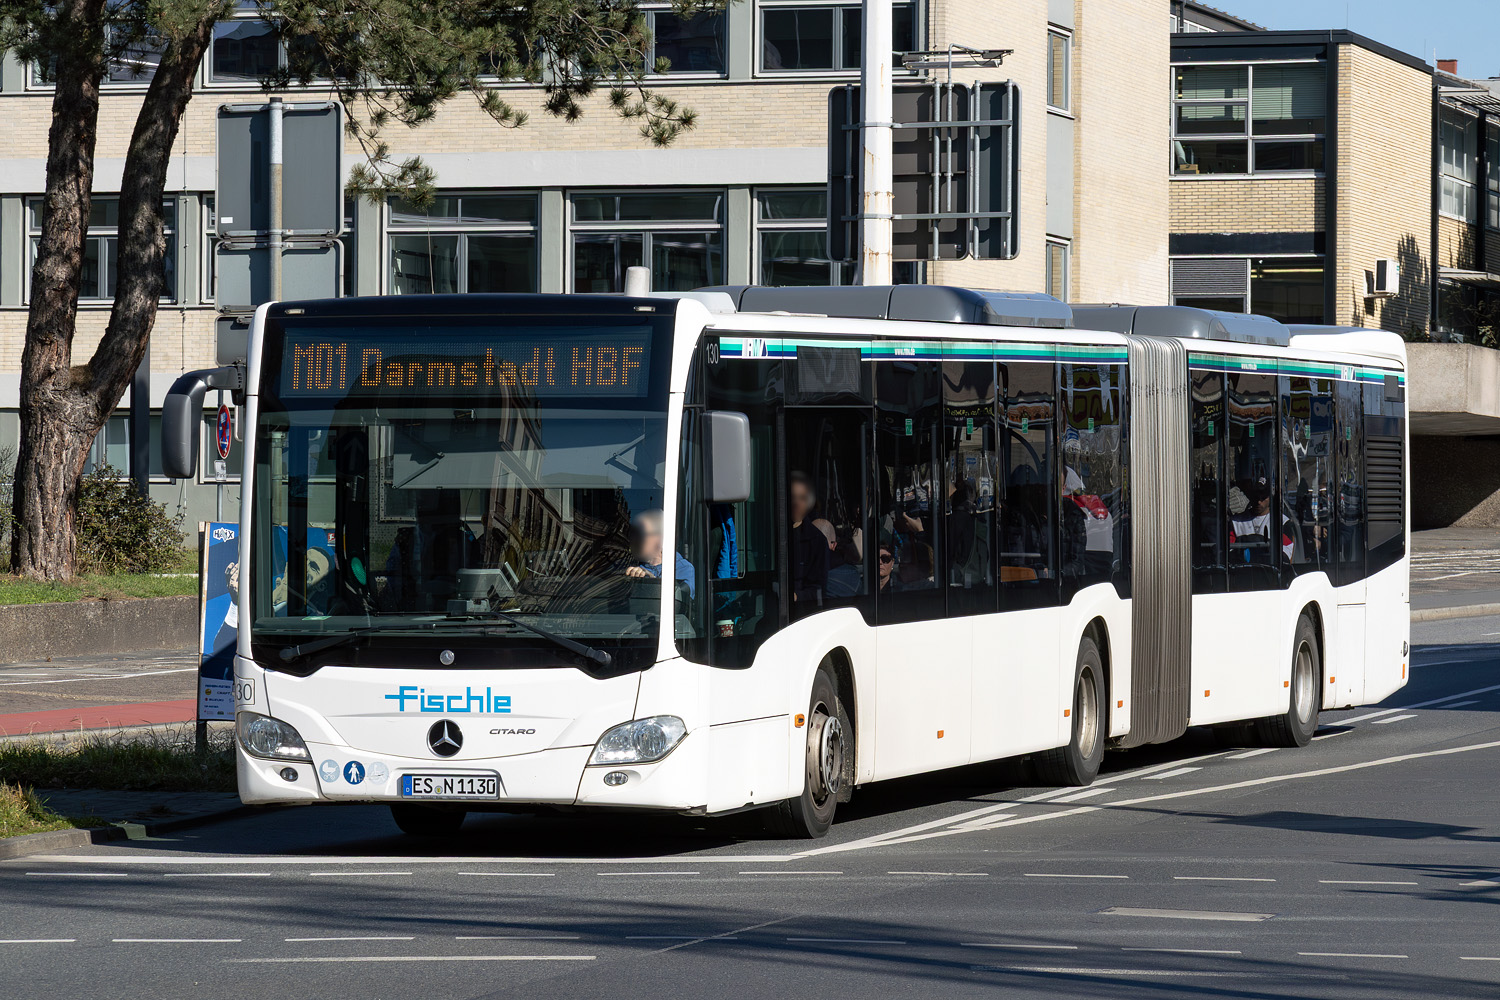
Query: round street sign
225, 431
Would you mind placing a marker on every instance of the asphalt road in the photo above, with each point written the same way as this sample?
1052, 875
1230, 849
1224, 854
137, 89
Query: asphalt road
1364, 866
109, 679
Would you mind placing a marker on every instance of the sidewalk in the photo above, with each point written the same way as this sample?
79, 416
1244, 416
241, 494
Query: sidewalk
104, 691
127, 816
147, 713
1454, 569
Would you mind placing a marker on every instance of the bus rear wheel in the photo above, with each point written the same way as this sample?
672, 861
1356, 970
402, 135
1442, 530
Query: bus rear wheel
1296, 727
826, 752
426, 821
1078, 762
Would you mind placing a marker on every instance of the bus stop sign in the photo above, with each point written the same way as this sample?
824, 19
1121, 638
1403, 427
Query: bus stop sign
224, 429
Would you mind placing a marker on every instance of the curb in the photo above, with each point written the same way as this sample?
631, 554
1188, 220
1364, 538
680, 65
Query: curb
1442, 614
56, 840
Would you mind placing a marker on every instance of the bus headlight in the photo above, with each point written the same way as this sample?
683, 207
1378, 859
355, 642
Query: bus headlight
640, 742
263, 736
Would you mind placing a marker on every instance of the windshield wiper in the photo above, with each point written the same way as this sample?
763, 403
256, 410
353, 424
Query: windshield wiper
598, 656
290, 653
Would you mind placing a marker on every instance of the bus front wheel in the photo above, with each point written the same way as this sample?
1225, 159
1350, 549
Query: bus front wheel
1078, 762
426, 821
825, 750
1296, 727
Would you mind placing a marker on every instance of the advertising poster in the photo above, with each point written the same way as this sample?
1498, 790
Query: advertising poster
218, 618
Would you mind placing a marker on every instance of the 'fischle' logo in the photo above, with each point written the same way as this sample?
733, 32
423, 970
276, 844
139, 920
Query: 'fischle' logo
409, 697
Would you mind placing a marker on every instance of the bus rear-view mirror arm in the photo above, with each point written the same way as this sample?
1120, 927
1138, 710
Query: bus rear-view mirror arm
182, 417
726, 438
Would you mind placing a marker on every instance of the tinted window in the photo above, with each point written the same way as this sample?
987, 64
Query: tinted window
1350, 472
970, 485
1092, 519
1307, 454
908, 464
1385, 477
1255, 536
1210, 525
1028, 419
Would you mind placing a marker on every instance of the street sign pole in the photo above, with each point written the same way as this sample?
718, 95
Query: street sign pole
877, 197
277, 236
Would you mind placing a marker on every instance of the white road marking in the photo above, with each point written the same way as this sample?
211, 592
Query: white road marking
1087, 793
1423, 704
985, 822
1179, 772
308, 939
413, 958
1336, 732
1479, 958
672, 937
38, 940
650, 873
216, 875
97, 677
823, 940
1343, 954
1358, 881
1219, 878
789, 872
1253, 753
944, 874
322, 874
220, 859
176, 940
1144, 771
1146, 911
1462, 704
517, 937
1392, 718
82, 874
1019, 947
1065, 875
1189, 951
1486, 883
1120, 973
513, 874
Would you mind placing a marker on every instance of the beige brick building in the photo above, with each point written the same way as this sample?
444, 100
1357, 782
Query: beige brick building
559, 207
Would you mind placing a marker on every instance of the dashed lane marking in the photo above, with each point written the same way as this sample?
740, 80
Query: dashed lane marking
305, 940
1252, 753
1018, 947
517, 937
1065, 875
1087, 793
826, 940
176, 940
1392, 718
1188, 951
38, 940
1219, 878
1060, 970
1146, 911
1344, 954
1177, 773
312, 959
1358, 881
1422, 704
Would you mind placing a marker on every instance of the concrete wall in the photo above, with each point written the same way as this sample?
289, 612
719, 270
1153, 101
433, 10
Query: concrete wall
1455, 482
1384, 200
37, 631
1455, 426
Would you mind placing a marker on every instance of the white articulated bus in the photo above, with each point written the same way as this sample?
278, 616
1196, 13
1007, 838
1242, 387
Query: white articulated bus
755, 547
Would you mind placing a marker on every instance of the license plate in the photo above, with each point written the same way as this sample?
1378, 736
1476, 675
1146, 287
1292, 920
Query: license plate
450, 786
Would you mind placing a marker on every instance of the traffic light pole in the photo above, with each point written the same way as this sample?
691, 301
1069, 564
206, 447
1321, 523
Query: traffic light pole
877, 199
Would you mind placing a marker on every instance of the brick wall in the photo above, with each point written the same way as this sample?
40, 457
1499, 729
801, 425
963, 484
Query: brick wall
1384, 189
1457, 243
1258, 205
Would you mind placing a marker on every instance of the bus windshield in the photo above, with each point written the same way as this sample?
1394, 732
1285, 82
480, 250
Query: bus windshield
406, 475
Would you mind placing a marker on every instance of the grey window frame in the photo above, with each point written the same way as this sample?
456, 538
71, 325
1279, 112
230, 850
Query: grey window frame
918, 9
1065, 246
651, 11
463, 230
643, 228
765, 226
1458, 180
32, 209
1054, 35
1247, 134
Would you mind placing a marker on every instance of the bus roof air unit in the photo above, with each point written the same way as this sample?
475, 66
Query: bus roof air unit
1184, 322
922, 303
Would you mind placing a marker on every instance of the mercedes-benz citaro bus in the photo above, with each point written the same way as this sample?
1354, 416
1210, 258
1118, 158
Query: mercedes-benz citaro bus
756, 547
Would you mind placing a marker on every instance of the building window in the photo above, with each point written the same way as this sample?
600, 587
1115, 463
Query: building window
1289, 290
1459, 139
478, 242
102, 245
679, 235
246, 49
824, 38
688, 43
133, 65
1249, 119
111, 446
792, 240
1059, 259
1492, 173
1059, 70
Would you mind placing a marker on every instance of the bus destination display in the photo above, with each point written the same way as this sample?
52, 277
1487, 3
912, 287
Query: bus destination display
536, 363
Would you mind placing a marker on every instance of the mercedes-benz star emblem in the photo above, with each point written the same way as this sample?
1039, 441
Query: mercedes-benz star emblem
444, 738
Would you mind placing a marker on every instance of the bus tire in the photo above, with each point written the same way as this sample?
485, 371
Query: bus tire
1078, 762
809, 815
426, 821
1296, 727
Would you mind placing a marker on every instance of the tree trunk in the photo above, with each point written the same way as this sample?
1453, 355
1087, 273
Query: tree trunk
64, 406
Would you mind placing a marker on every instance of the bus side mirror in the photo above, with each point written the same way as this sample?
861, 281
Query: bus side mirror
182, 418
726, 439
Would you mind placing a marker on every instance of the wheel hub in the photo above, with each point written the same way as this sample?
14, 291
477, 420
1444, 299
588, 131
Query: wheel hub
828, 752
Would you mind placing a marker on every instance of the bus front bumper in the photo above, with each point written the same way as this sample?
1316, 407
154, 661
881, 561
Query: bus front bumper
558, 777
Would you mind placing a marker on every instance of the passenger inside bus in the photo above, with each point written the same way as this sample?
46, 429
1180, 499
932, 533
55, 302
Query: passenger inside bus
809, 547
1250, 522
646, 536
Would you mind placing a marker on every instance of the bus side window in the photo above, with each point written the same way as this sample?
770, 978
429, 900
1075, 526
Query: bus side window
970, 486
908, 465
1307, 452
1255, 532
1092, 515
1027, 418
1210, 523
1350, 503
